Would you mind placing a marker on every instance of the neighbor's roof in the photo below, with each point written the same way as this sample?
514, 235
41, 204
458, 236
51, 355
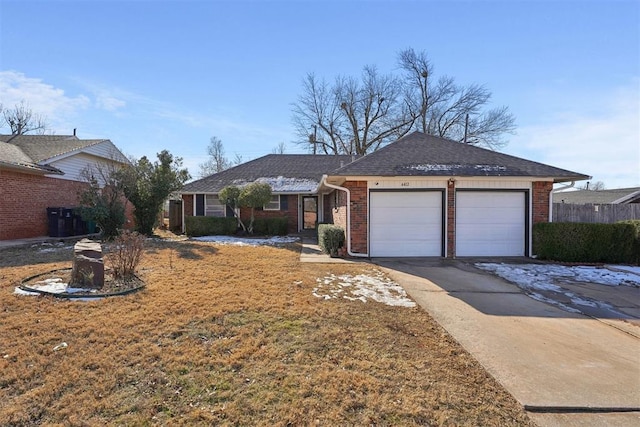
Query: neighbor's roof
43, 147
614, 196
286, 173
14, 157
419, 154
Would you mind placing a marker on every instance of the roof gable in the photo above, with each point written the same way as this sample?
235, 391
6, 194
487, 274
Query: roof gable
35, 153
286, 173
419, 154
43, 147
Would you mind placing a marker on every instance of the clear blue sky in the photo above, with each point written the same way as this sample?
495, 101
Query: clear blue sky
154, 75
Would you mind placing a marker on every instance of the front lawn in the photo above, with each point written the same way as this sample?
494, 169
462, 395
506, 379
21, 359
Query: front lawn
229, 335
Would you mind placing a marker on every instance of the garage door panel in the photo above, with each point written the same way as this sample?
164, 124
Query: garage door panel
406, 223
490, 223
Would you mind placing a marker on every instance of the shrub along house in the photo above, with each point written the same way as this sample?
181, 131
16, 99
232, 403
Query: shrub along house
418, 196
42, 171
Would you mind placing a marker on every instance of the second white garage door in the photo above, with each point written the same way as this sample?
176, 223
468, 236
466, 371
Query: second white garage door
490, 223
405, 223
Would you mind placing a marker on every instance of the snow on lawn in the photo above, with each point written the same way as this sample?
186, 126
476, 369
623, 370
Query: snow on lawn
54, 285
51, 247
372, 286
246, 241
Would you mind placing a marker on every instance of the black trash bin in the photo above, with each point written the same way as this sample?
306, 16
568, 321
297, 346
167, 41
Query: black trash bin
67, 218
79, 226
56, 223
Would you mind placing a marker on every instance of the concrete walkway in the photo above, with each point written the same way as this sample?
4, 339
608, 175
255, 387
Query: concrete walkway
565, 369
311, 252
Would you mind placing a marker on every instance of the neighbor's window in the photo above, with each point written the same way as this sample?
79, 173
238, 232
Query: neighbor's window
274, 204
212, 206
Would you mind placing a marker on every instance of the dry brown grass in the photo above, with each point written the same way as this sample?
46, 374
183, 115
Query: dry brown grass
228, 335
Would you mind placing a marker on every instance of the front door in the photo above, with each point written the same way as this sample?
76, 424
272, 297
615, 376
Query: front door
310, 212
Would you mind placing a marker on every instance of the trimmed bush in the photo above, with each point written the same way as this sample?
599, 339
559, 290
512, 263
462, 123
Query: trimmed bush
636, 247
210, 226
271, 226
580, 242
330, 238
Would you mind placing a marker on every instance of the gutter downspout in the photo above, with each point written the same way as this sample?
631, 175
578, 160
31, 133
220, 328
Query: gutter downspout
564, 187
348, 230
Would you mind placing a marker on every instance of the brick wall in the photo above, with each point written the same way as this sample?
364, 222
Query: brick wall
187, 202
359, 211
24, 199
451, 219
291, 213
540, 199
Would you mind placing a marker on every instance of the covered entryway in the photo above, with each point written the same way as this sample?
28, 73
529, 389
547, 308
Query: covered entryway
491, 223
309, 212
406, 223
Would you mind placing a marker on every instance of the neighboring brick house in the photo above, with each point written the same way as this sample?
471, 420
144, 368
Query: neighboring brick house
41, 171
294, 181
418, 196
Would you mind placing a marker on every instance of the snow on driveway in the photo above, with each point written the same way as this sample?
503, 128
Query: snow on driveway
373, 285
549, 283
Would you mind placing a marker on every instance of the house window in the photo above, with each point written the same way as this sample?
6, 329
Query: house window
213, 207
274, 204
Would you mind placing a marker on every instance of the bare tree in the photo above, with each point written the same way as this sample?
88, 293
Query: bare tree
279, 149
452, 111
217, 161
593, 186
21, 119
357, 116
353, 116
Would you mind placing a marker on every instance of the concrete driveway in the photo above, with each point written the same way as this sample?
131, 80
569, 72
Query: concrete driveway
566, 369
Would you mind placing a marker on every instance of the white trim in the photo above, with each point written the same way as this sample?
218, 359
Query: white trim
265, 208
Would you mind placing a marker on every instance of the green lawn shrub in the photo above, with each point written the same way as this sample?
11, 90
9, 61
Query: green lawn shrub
330, 238
581, 242
210, 226
636, 247
271, 226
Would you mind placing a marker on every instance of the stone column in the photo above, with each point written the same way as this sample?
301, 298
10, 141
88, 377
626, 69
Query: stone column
88, 265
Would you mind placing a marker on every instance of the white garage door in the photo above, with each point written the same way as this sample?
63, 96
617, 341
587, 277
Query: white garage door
405, 223
490, 223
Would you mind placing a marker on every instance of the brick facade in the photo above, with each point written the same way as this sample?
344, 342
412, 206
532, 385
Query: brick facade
451, 219
540, 199
25, 199
359, 209
291, 213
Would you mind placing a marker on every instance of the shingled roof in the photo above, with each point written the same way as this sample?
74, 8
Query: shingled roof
286, 173
43, 147
418, 154
613, 196
13, 157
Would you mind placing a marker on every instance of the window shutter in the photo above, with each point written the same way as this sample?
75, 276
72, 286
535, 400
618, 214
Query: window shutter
284, 203
199, 204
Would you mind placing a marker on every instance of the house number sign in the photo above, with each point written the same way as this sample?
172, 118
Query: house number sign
404, 184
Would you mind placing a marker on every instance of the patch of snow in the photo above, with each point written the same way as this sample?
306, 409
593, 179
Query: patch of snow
246, 241
362, 287
283, 184
544, 281
456, 167
53, 285
45, 247
538, 275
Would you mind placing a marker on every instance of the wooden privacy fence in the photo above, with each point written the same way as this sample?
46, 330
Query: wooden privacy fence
608, 214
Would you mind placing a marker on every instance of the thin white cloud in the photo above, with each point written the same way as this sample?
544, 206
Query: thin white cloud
42, 98
601, 139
